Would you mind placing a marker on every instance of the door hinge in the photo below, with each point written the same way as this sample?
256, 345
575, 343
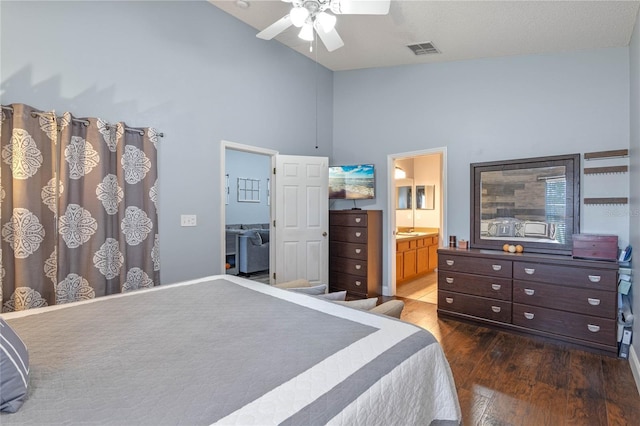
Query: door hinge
274, 276
274, 170
274, 223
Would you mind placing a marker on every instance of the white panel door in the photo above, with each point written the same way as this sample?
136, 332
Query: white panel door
301, 197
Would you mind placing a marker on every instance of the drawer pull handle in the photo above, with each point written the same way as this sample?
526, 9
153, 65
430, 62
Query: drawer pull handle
358, 219
496, 267
496, 309
594, 278
358, 283
358, 267
529, 271
593, 302
358, 234
593, 328
529, 291
450, 262
358, 251
529, 315
449, 280
449, 299
496, 287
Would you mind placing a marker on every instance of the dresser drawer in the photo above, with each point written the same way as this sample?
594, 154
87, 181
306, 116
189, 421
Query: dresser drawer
478, 285
351, 283
348, 266
584, 327
475, 265
358, 219
348, 234
599, 279
582, 301
348, 250
496, 310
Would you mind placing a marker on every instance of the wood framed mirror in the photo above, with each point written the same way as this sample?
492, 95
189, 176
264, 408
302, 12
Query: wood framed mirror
534, 202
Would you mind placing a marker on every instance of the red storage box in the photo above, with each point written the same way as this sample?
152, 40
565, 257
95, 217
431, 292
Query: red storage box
595, 247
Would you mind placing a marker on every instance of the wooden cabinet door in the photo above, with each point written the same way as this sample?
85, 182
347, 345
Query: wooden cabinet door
433, 257
409, 263
422, 260
399, 265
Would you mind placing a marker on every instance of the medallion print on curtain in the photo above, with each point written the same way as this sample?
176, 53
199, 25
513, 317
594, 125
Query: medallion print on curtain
105, 204
27, 213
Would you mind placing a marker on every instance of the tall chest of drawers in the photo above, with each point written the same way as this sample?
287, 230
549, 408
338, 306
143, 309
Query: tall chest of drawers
567, 299
355, 252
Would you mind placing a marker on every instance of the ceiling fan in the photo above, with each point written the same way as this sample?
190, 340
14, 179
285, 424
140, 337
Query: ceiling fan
310, 15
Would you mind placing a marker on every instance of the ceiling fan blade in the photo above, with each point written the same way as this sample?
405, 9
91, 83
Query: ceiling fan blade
276, 28
331, 39
360, 7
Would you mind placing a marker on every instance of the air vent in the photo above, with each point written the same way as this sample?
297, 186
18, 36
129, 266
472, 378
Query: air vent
426, 48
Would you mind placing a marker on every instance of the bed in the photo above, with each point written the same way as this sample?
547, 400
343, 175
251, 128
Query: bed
227, 350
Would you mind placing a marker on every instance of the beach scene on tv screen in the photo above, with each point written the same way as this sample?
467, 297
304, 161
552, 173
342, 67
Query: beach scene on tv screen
351, 182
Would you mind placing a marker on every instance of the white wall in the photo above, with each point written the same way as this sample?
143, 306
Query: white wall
184, 67
484, 110
634, 206
240, 164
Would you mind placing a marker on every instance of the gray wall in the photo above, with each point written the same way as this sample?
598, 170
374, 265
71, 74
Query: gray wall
186, 68
485, 110
634, 207
239, 164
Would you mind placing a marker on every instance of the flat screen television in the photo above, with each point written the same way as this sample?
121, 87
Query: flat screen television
352, 182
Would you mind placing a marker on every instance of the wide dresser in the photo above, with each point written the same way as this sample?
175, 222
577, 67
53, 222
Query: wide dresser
567, 299
355, 252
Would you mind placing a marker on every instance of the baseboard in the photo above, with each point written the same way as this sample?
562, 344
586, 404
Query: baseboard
635, 366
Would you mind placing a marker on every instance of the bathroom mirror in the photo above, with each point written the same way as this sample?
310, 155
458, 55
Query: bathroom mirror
425, 197
403, 198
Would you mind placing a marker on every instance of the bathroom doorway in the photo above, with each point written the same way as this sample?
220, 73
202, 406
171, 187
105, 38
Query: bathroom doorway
418, 222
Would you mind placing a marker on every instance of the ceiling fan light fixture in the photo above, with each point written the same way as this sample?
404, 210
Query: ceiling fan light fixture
325, 21
298, 16
306, 33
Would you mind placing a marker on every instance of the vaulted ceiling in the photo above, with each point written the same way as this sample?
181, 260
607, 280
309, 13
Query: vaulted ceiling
459, 30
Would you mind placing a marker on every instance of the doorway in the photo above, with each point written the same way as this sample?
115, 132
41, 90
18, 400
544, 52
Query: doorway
297, 202
246, 202
417, 224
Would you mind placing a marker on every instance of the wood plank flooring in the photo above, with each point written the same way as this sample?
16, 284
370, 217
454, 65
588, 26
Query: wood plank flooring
507, 379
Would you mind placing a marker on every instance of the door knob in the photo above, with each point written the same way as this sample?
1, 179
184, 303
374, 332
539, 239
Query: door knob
324, 234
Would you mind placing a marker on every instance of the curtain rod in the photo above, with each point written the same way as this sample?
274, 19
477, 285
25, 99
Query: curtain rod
85, 122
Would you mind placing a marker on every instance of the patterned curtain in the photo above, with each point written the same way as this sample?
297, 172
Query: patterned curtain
106, 239
28, 207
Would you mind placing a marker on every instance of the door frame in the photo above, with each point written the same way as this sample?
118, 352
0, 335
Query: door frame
391, 208
224, 145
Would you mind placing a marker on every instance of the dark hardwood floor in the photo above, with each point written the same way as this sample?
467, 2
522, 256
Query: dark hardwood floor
507, 379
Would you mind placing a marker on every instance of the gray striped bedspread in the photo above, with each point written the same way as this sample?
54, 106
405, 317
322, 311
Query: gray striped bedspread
230, 351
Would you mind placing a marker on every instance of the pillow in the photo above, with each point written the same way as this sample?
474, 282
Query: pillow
506, 229
14, 369
234, 226
362, 304
391, 308
254, 237
264, 235
536, 229
314, 291
484, 227
264, 225
300, 282
336, 295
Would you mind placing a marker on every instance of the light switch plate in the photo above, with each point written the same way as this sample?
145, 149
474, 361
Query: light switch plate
188, 220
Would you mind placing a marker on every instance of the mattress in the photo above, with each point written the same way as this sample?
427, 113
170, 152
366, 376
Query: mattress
227, 350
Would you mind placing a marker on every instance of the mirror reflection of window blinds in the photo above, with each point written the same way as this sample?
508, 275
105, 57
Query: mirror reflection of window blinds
555, 207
